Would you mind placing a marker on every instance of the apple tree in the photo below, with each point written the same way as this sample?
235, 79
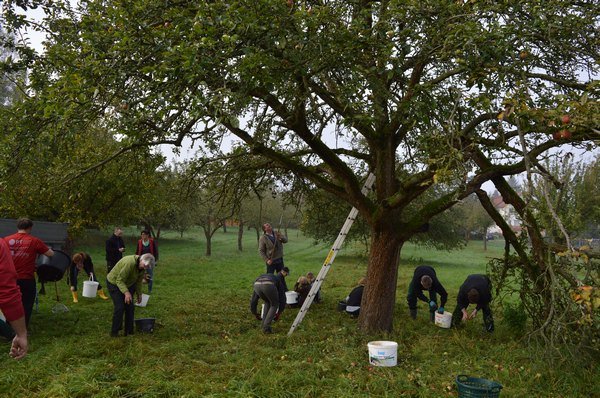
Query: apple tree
434, 98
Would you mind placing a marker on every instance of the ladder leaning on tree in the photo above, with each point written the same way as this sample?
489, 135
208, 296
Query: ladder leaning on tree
330, 257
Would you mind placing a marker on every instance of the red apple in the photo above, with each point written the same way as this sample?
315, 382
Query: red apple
565, 134
556, 135
565, 119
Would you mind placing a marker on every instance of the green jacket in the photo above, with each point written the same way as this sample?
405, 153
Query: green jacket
126, 273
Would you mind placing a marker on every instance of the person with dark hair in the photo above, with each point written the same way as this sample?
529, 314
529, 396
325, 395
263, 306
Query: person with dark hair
147, 245
82, 261
115, 246
270, 248
424, 278
285, 271
24, 249
271, 290
123, 281
477, 289
11, 305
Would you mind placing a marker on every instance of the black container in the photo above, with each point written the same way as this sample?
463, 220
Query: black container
145, 325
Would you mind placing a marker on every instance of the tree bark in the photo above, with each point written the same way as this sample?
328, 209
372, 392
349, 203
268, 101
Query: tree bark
240, 235
379, 297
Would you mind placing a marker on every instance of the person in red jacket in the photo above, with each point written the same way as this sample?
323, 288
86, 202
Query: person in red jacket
24, 249
10, 302
147, 245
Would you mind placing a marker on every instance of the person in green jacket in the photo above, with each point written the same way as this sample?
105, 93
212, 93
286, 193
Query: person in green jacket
122, 281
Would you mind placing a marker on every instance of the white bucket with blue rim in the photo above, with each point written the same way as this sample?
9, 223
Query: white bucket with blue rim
383, 353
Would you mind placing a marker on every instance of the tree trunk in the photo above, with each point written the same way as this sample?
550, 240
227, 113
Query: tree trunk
240, 235
379, 297
208, 234
485, 239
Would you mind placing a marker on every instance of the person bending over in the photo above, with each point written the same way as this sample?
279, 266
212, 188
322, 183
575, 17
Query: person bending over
424, 278
477, 289
271, 290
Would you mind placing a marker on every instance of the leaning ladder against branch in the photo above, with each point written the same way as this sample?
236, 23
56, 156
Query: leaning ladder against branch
330, 257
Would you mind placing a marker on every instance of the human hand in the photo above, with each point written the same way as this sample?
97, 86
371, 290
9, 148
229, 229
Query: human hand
128, 298
121, 249
465, 315
257, 317
432, 305
139, 299
473, 313
440, 310
18, 348
72, 288
269, 261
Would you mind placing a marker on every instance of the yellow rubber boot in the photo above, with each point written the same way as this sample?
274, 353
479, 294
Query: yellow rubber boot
75, 298
102, 295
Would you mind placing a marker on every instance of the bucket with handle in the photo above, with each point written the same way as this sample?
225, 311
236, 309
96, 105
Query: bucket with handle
90, 288
383, 353
443, 320
291, 297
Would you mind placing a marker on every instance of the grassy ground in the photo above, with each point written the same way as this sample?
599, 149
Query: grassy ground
206, 344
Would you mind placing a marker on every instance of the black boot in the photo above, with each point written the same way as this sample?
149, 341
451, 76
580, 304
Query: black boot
413, 313
432, 316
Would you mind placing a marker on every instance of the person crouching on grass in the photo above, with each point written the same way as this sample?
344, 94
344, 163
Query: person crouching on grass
123, 280
82, 261
477, 289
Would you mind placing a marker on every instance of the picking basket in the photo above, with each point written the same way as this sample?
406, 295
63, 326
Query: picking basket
472, 387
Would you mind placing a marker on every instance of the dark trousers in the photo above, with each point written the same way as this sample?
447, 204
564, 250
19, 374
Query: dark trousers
28, 292
120, 309
268, 292
6, 330
275, 267
411, 299
488, 319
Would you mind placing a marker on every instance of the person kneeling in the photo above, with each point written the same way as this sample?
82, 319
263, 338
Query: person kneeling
351, 304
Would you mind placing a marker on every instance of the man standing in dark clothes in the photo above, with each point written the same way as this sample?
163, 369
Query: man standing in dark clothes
425, 278
282, 274
477, 289
270, 288
114, 248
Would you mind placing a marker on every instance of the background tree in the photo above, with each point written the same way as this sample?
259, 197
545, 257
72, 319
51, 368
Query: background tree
434, 98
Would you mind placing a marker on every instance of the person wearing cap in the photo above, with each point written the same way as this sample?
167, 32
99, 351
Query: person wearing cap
11, 305
476, 289
270, 248
271, 290
285, 271
424, 278
24, 249
82, 261
123, 281
147, 245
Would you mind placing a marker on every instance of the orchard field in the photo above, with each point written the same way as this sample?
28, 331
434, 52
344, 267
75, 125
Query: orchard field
207, 344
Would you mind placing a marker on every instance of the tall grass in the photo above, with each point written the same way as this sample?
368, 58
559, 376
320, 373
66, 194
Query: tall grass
206, 344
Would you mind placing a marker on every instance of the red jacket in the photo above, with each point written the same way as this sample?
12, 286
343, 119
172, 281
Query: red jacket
10, 294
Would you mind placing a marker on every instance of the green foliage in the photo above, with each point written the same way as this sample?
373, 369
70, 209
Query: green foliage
515, 318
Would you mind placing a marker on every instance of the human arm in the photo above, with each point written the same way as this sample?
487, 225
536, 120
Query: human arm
282, 238
262, 248
19, 344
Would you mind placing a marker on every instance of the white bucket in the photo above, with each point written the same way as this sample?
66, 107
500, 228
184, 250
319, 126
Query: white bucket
90, 288
291, 297
383, 353
443, 320
144, 302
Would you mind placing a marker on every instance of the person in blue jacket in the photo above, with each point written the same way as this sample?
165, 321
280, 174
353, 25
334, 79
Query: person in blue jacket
270, 288
424, 278
476, 289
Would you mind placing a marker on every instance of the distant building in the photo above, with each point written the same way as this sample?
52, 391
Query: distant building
508, 213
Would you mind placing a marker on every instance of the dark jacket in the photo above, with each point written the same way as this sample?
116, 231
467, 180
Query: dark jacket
355, 296
113, 244
302, 290
482, 284
436, 286
277, 283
